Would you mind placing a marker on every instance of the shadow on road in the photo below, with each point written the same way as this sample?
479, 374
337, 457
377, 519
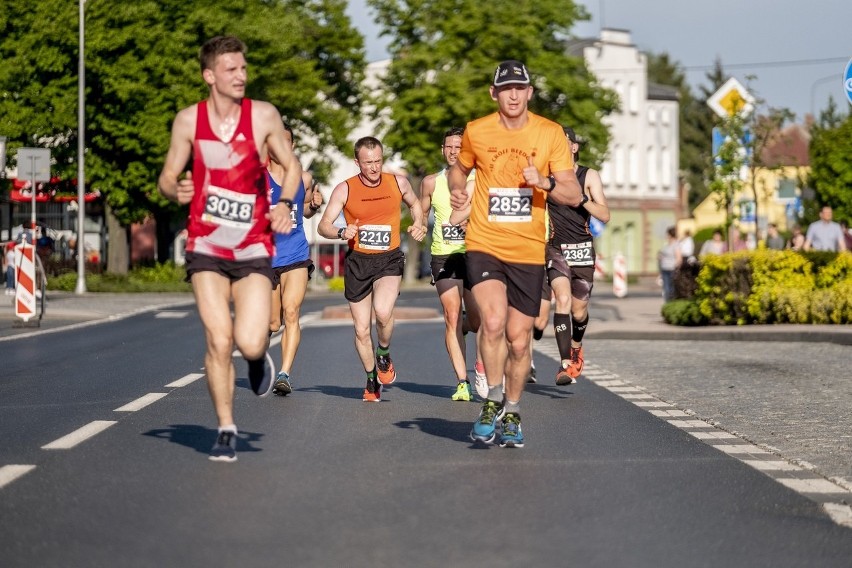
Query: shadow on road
451, 430
201, 439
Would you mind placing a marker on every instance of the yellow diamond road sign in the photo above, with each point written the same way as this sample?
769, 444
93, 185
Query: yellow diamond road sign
731, 98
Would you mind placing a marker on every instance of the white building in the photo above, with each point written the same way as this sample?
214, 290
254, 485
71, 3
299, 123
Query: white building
640, 174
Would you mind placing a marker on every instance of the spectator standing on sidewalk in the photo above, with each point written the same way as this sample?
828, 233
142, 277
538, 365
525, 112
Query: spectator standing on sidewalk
716, 245
229, 139
9, 268
774, 241
687, 247
825, 234
669, 259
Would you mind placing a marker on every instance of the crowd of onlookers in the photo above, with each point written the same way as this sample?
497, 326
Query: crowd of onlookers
824, 234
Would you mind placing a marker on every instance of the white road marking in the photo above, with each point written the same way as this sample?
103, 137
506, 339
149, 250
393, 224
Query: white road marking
637, 396
9, 473
625, 389
690, 424
171, 315
608, 384
772, 465
704, 435
810, 485
840, 513
651, 403
664, 413
740, 449
184, 381
141, 402
80, 435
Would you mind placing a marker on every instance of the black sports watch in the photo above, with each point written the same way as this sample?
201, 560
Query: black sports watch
288, 203
552, 183
585, 200
340, 233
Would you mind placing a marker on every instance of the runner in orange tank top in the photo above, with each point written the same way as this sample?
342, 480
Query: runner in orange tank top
370, 203
520, 158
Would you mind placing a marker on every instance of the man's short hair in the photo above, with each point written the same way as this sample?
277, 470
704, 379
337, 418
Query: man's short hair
454, 131
217, 46
572, 136
511, 72
368, 142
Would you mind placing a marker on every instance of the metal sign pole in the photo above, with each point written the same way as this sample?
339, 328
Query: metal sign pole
81, 167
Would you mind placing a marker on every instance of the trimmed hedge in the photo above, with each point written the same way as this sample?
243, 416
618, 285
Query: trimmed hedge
768, 287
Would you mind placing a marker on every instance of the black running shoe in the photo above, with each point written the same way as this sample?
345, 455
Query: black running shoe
260, 374
225, 448
282, 384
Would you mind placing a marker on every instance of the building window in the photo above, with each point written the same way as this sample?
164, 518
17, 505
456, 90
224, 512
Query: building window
652, 166
652, 115
619, 165
606, 168
664, 116
666, 168
633, 98
633, 165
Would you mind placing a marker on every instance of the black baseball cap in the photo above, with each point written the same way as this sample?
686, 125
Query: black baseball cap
511, 72
572, 136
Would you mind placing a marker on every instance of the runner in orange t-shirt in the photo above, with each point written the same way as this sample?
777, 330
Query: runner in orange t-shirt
521, 159
370, 203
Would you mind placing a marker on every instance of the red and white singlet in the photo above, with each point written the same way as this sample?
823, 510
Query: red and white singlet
227, 215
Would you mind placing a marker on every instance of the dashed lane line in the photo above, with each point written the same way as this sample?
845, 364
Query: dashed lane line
141, 402
9, 473
184, 381
79, 435
833, 496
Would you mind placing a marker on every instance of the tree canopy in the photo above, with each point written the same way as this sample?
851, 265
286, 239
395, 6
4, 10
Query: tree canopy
831, 169
444, 53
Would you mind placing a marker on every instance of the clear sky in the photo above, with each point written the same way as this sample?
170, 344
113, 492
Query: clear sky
797, 50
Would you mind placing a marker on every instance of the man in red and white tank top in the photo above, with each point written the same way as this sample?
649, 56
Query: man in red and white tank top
370, 203
229, 245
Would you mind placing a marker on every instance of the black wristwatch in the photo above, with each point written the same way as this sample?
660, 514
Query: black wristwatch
340, 234
288, 203
552, 183
584, 201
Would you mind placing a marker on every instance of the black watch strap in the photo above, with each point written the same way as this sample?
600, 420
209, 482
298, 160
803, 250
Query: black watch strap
288, 202
340, 233
552, 183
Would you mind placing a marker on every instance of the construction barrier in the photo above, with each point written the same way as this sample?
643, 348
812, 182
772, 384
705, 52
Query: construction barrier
619, 275
25, 277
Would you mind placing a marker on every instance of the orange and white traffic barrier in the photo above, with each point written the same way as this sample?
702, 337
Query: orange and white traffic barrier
600, 269
25, 299
619, 275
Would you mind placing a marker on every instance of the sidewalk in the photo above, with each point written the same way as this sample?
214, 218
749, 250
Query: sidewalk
636, 316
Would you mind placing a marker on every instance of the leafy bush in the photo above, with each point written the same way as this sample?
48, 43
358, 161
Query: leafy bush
166, 277
769, 286
336, 284
683, 312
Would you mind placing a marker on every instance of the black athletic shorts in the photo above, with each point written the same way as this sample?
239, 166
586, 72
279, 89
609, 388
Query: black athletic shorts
279, 270
523, 281
231, 269
364, 269
450, 266
580, 277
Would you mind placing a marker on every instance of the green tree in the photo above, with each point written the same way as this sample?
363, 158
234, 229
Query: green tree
695, 124
726, 179
142, 67
444, 52
831, 169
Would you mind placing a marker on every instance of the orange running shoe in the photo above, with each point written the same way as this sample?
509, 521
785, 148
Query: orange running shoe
373, 391
386, 372
563, 378
575, 365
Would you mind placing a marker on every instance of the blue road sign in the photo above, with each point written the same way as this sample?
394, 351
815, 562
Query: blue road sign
847, 81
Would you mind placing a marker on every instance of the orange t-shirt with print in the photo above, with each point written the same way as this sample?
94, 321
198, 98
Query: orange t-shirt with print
377, 212
507, 217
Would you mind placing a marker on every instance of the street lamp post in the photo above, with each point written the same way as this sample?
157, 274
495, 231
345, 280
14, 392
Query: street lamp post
81, 169
834, 77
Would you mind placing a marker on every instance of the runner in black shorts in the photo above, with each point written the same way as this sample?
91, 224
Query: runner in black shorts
370, 203
571, 265
449, 271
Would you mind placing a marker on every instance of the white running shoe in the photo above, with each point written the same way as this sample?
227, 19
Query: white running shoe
480, 383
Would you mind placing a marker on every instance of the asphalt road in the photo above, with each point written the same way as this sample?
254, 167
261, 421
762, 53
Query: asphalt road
326, 480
